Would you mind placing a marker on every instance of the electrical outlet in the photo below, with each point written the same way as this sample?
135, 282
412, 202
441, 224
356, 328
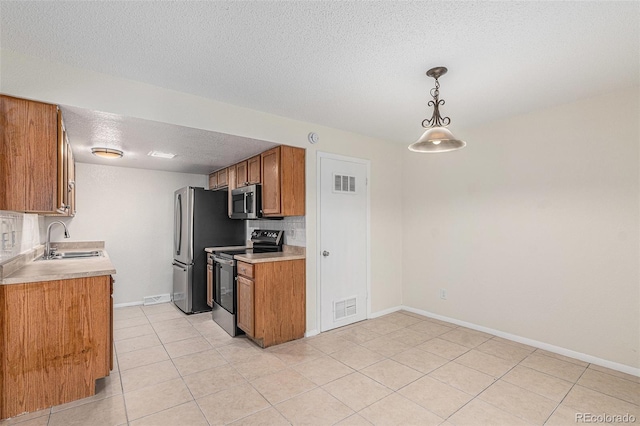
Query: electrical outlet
443, 294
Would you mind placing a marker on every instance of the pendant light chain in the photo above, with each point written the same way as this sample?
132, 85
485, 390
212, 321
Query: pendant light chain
436, 119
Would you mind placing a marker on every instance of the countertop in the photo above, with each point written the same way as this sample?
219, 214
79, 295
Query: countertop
287, 253
30, 270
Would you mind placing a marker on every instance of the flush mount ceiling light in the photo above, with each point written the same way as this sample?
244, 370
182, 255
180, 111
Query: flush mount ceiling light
160, 154
437, 138
107, 152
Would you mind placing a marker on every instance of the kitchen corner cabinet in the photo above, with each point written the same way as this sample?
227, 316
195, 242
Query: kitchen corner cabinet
283, 181
38, 172
271, 301
57, 339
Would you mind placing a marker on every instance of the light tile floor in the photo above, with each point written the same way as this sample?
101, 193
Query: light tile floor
400, 369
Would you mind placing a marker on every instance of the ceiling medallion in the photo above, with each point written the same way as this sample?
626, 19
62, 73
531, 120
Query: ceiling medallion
437, 138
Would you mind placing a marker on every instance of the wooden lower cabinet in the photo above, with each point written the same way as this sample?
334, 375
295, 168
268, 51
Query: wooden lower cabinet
245, 305
271, 305
56, 340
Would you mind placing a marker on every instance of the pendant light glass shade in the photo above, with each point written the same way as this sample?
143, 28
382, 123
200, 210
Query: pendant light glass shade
437, 139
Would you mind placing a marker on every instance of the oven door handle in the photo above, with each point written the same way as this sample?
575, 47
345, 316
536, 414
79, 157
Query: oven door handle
223, 261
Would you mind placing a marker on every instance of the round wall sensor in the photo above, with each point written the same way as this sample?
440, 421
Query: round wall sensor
313, 137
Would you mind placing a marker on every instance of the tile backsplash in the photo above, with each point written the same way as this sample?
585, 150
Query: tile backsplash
19, 232
294, 228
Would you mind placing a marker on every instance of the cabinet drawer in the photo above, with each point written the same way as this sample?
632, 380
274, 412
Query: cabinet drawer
245, 269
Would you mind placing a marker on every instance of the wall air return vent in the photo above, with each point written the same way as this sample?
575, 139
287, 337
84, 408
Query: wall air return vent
344, 308
153, 300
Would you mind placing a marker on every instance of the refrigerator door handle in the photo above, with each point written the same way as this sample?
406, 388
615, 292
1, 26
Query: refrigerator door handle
178, 266
177, 242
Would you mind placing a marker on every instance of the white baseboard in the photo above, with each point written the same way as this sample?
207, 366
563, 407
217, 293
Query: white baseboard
124, 305
385, 312
311, 333
154, 300
535, 343
148, 300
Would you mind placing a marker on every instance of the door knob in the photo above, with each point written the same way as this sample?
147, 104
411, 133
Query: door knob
325, 253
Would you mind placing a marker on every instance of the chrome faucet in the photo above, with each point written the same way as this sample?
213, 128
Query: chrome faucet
47, 245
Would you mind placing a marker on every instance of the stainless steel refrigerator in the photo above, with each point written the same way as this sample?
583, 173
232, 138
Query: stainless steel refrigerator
201, 220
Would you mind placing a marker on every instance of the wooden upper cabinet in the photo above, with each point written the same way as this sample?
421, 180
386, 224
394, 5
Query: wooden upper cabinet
248, 172
271, 182
253, 170
213, 180
66, 179
33, 158
232, 185
70, 181
223, 178
241, 174
283, 181
219, 179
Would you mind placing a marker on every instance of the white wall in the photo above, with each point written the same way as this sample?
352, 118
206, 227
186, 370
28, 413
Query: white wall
533, 229
33, 78
132, 211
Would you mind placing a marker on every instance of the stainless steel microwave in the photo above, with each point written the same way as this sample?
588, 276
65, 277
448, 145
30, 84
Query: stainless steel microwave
246, 202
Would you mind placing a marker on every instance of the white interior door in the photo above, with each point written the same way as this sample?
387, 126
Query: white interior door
343, 241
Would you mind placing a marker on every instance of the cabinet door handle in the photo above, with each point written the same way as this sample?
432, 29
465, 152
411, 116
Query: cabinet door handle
325, 253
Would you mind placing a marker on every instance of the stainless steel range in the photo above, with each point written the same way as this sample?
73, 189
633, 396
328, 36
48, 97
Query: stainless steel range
225, 301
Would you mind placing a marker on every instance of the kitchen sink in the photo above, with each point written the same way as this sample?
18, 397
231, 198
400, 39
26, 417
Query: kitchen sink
74, 255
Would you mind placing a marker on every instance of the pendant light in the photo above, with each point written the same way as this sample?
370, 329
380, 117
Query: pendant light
437, 138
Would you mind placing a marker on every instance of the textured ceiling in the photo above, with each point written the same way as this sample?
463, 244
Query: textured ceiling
197, 151
353, 65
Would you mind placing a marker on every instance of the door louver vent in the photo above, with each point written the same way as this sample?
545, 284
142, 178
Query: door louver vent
344, 183
344, 308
